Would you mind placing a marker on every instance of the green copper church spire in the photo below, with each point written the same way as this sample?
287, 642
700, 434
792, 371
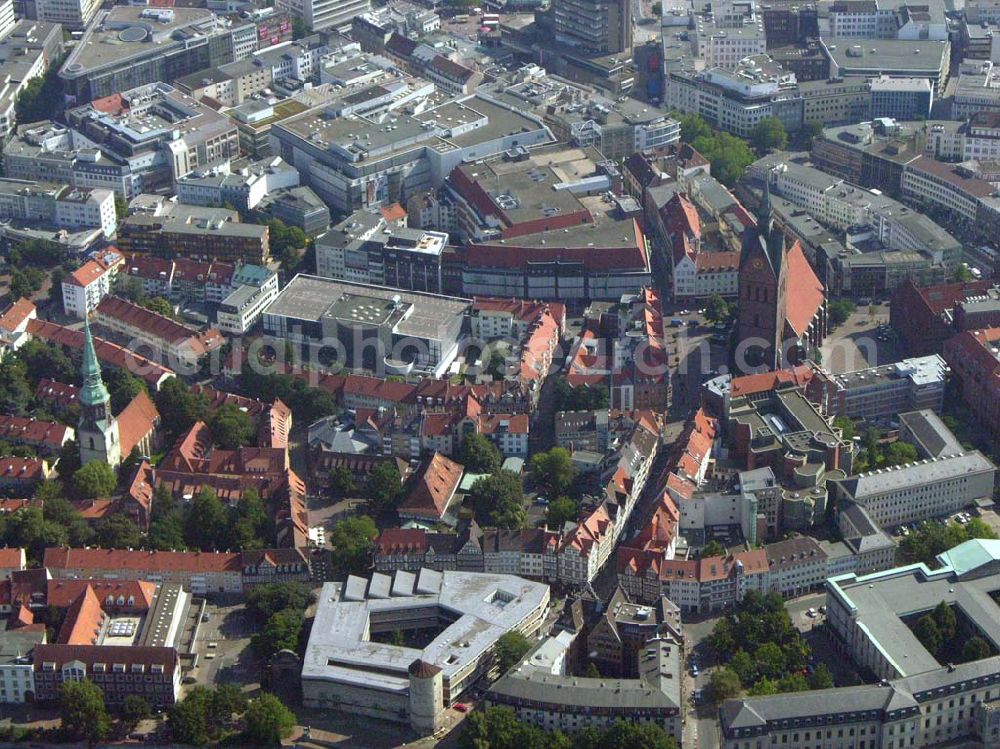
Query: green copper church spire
94, 393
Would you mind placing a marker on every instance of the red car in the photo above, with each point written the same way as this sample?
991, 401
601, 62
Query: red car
461, 707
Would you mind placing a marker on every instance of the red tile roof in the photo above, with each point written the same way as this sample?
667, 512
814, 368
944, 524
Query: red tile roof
522, 309
140, 561
17, 314
109, 353
62, 593
43, 433
21, 469
12, 558
58, 393
433, 488
394, 212
82, 624
159, 327
60, 654
807, 294
401, 541
507, 423
767, 381
716, 262
138, 419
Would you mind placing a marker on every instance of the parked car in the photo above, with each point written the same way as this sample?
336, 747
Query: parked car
461, 707
811, 612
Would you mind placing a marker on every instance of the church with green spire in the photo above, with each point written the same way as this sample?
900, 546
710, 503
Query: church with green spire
97, 433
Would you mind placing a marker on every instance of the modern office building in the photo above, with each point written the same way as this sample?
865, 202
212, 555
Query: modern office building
72, 14
357, 162
130, 45
322, 15
603, 26
377, 328
879, 394
195, 233
349, 666
27, 49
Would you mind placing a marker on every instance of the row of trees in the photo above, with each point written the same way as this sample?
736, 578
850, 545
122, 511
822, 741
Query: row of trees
499, 728
932, 538
307, 403
939, 632
207, 524
762, 651
582, 398
278, 610
224, 714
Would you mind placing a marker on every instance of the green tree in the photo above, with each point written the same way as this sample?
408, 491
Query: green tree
793, 683
977, 528
846, 426
183, 406
763, 687
82, 711
42, 97
716, 310
15, 390
554, 469
770, 660
94, 480
265, 600
898, 453
231, 427
58, 275
821, 678
728, 155
927, 631
499, 500
769, 135
280, 633
839, 311
352, 542
561, 511
267, 721
121, 208
592, 671
188, 719
510, 649
166, 534
251, 526
134, 710
24, 282
61, 512
744, 667
713, 549
205, 524
160, 306
961, 273
299, 27
118, 532
384, 487
975, 649
947, 622
694, 127
724, 684
480, 455
342, 482
225, 701
131, 288
583, 398
124, 387
46, 360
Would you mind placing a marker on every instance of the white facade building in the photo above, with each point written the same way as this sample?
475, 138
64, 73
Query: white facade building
84, 289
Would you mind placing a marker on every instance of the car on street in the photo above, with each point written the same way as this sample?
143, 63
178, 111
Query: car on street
811, 612
822, 610
461, 707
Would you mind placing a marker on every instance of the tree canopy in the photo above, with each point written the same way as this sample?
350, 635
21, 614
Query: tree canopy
231, 427
728, 154
554, 469
94, 480
510, 649
769, 135
932, 538
582, 398
82, 711
480, 455
352, 542
499, 500
267, 721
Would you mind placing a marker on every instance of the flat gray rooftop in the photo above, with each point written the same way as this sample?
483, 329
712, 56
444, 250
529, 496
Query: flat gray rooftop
308, 298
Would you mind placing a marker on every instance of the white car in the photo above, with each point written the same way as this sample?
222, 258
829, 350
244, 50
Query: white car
811, 612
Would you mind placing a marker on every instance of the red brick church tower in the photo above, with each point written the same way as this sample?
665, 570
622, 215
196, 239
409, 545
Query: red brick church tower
763, 293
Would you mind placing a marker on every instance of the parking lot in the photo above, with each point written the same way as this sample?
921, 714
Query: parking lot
222, 647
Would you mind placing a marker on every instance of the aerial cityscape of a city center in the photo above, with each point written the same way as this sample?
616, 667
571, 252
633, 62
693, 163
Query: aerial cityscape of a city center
529, 374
